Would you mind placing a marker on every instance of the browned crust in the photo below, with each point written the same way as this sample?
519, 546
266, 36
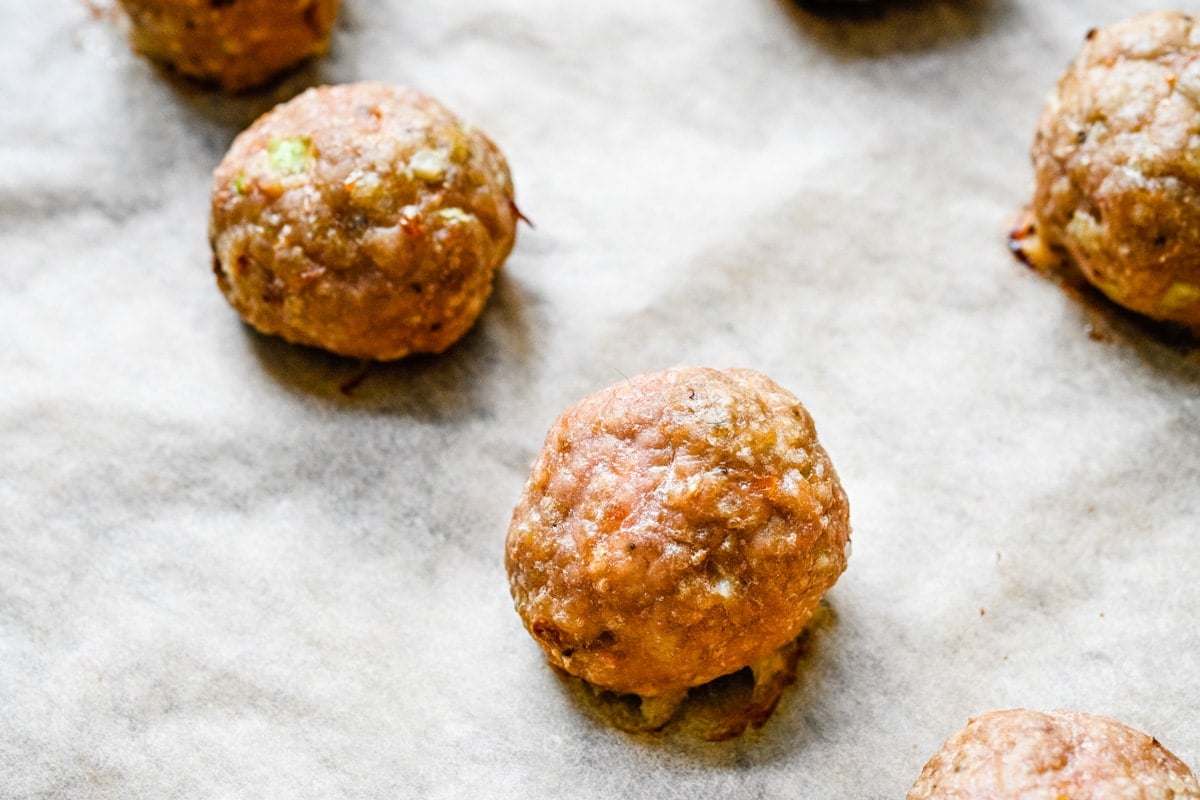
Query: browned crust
716, 711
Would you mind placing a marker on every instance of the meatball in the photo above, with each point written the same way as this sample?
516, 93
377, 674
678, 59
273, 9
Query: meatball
1027, 754
364, 219
676, 527
234, 44
1117, 162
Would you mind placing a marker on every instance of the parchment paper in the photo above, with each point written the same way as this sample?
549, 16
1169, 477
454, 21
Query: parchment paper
222, 576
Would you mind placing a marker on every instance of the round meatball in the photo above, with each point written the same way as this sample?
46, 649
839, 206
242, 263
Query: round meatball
235, 44
676, 527
1117, 161
1018, 754
364, 219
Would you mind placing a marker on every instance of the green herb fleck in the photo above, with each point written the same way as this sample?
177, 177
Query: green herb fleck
289, 154
1179, 295
239, 183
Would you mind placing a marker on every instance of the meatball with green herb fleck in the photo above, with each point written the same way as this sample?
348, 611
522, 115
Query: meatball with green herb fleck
364, 219
1117, 168
233, 44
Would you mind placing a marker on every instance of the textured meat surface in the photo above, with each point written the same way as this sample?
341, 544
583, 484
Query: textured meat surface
235, 45
1117, 162
365, 219
676, 527
1063, 755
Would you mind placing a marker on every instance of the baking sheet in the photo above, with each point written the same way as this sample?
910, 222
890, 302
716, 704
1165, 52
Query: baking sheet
221, 575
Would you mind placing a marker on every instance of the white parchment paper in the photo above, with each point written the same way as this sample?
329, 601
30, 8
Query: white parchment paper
221, 576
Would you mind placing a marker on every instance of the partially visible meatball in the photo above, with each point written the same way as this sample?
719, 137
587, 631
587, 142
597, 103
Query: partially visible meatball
840, 6
1117, 161
1023, 755
676, 527
364, 219
234, 44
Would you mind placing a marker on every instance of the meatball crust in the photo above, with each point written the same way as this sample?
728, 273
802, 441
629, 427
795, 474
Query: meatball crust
235, 44
364, 219
1117, 163
676, 527
1020, 755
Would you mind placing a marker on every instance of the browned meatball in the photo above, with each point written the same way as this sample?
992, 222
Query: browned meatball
364, 219
1117, 165
1028, 755
676, 527
235, 44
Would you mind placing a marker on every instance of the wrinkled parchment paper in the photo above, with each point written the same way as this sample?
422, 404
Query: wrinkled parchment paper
223, 576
